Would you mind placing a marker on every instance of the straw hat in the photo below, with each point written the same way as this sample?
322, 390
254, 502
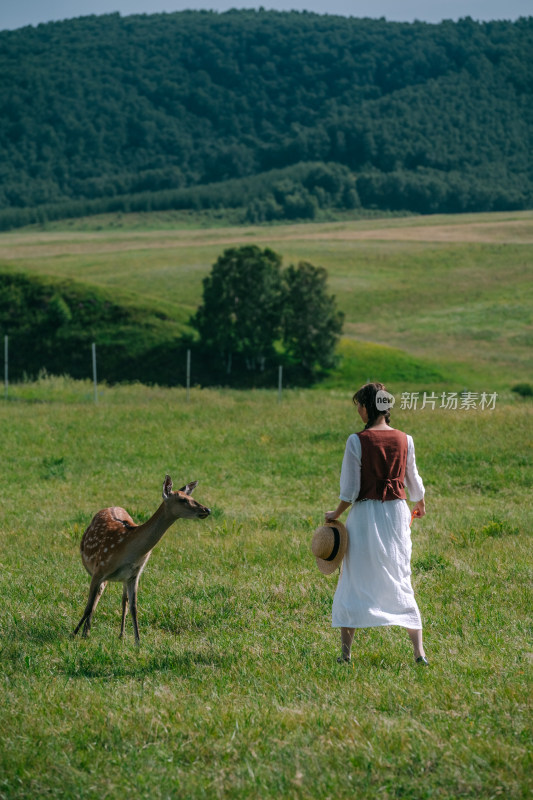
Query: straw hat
329, 546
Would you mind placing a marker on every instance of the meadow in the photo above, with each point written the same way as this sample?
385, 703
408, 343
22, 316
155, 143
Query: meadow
450, 292
235, 691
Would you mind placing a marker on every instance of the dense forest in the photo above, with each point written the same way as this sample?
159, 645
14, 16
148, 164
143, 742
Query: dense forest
280, 115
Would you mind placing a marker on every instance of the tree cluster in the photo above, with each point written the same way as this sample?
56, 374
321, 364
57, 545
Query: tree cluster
253, 317
142, 110
297, 192
254, 313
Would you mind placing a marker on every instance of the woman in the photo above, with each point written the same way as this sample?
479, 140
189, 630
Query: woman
375, 585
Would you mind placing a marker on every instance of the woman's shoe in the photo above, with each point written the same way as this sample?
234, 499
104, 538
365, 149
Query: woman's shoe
422, 660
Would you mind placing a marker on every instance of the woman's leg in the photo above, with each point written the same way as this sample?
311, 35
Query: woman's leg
415, 634
346, 642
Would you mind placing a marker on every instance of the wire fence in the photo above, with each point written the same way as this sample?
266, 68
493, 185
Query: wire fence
95, 373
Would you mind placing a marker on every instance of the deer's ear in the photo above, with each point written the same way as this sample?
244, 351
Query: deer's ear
167, 487
189, 488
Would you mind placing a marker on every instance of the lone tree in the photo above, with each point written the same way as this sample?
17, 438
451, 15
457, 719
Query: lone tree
311, 322
249, 305
241, 309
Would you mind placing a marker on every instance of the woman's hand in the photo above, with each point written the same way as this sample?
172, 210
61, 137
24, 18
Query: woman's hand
331, 516
420, 508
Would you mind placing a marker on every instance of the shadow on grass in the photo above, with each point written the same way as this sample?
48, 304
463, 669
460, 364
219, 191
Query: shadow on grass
33, 631
99, 663
201, 621
35, 645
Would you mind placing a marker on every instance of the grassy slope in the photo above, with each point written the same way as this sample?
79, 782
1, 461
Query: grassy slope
235, 691
453, 292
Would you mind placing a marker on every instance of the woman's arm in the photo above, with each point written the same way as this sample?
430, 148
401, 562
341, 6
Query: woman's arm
350, 478
413, 481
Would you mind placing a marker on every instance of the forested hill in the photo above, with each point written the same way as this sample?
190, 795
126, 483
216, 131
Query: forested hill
186, 109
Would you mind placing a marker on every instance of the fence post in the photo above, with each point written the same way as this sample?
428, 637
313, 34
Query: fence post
94, 373
280, 382
188, 375
6, 365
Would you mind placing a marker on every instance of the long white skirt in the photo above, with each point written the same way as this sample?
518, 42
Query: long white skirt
375, 583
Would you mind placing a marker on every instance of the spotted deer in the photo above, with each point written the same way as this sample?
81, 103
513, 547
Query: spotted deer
114, 548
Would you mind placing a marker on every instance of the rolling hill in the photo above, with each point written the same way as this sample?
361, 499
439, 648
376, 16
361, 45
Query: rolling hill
441, 300
273, 115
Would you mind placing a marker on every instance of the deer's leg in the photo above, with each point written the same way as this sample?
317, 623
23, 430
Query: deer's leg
132, 598
95, 592
124, 609
99, 593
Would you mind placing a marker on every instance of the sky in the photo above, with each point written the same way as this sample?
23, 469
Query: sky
18, 13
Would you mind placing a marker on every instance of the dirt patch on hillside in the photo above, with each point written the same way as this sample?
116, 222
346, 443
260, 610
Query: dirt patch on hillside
516, 232
43, 244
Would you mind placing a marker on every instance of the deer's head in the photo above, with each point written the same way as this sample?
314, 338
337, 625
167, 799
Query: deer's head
180, 504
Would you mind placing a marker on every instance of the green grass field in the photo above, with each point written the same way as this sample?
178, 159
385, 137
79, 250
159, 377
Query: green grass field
235, 691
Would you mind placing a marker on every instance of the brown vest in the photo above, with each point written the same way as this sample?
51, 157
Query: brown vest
383, 462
